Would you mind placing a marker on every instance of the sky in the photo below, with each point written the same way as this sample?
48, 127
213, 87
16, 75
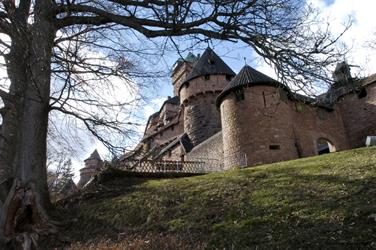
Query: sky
358, 38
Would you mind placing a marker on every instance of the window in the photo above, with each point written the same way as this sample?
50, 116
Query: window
172, 128
228, 77
362, 93
239, 94
274, 147
207, 77
264, 98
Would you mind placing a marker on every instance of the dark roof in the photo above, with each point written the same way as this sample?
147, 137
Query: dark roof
173, 100
340, 89
186, 142
183, 140
209, 64
94, 156
247, 76
189, 58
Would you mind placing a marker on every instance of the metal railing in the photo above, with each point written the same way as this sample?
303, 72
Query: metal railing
149, 166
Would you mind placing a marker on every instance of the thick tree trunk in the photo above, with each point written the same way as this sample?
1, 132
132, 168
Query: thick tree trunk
24, 212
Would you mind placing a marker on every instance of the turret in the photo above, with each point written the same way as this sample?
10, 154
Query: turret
180, 71
92, 166
256, 120
198, 93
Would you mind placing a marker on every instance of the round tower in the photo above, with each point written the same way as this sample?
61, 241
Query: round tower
180, 71
92, 166
198, 93
256, 120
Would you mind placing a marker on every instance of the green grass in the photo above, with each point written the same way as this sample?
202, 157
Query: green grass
324, 202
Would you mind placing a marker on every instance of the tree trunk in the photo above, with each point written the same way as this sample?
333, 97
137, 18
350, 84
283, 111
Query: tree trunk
24, 213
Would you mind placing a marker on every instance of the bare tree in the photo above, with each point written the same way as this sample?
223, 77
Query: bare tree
60, 55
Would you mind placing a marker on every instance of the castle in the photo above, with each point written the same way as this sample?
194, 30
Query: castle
248, 118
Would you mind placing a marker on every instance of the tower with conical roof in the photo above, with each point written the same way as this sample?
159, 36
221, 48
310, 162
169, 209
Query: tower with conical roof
198, 92
256, 120
92, 165
181, 69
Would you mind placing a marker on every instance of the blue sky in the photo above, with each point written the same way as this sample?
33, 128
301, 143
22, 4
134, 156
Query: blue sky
329, 2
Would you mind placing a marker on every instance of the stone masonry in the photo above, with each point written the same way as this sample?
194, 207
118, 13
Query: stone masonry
250, 118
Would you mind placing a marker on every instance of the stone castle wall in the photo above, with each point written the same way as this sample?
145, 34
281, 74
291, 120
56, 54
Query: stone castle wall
179, 75
312, 123
202, 85
201, 117
210, 151
174, 154
359, 115
268, 127
260, 126
169, 133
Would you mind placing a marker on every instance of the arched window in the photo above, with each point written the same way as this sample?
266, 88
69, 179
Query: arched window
324, 146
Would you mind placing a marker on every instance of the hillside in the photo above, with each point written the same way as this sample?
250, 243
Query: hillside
324, 202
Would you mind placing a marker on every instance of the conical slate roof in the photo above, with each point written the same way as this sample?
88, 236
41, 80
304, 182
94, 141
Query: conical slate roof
189, 58
94, 156
247, 76
209, 64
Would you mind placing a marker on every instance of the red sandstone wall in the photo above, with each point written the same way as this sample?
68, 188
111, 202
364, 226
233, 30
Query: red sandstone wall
179, 76
262, 120
312, 123
169, 133
252, 125
200, 85
175, 154
359, 116
201, 117
168, 113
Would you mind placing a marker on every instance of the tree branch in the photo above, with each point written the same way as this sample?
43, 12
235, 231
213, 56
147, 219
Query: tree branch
6, 96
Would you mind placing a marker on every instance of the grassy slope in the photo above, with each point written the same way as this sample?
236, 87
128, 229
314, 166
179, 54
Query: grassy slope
319, 202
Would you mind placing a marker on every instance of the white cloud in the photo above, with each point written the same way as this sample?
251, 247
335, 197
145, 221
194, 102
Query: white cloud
360, 33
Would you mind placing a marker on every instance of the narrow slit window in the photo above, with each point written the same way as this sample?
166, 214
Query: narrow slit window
264, 98
274, 147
